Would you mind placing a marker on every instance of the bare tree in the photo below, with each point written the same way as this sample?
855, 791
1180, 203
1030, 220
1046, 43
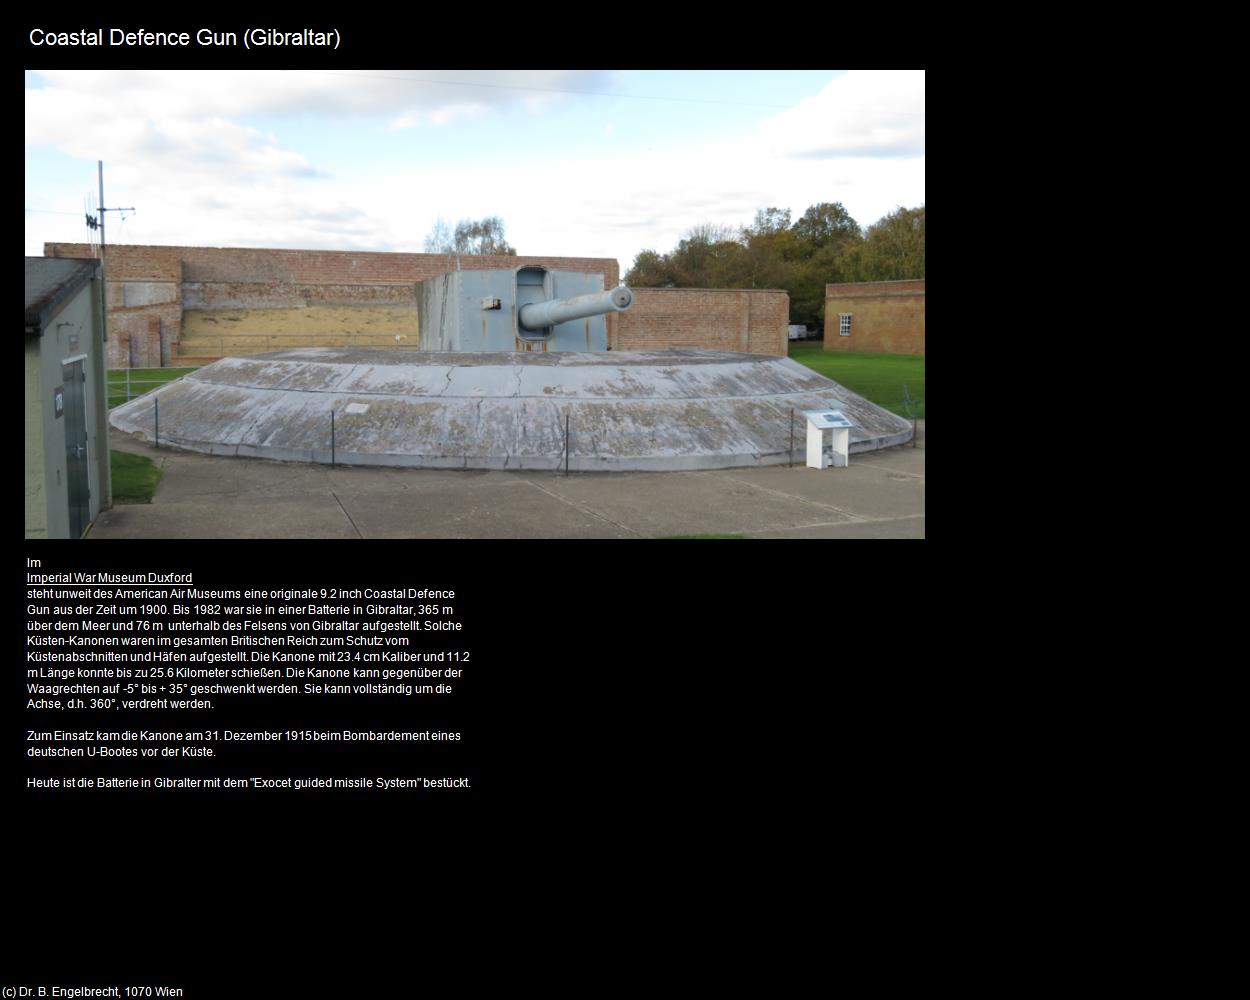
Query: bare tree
471, 236
440, 238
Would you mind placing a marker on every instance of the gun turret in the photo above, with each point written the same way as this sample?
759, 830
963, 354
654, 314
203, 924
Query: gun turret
526, 309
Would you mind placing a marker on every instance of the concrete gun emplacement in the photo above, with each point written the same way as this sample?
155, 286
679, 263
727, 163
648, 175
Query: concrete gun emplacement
524, 309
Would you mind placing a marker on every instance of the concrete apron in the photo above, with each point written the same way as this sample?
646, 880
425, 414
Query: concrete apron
625, 411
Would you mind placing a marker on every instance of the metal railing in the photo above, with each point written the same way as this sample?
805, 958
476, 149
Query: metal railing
124, 385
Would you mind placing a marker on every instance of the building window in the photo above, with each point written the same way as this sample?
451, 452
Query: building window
844, 324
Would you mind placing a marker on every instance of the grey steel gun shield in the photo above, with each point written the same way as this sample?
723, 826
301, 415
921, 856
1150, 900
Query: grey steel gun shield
523, 309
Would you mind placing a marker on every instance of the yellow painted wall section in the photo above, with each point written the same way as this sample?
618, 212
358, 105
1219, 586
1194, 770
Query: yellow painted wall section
219, 332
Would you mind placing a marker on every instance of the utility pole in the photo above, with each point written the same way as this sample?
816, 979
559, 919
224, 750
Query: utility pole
99, 353
103, 263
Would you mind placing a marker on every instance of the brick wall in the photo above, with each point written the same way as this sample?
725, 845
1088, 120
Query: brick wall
288, 295
313, 267
150, 286
135, 340
714, 319
143, 319
887, 317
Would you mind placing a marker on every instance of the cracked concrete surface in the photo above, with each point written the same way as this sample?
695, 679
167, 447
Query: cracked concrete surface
880, 495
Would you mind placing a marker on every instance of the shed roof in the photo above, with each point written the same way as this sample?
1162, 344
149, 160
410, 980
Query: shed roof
50, 282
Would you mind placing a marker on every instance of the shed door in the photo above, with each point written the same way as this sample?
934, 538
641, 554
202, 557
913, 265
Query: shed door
73, 380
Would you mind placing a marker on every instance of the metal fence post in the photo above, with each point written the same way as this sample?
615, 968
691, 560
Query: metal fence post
792, 437
910, 406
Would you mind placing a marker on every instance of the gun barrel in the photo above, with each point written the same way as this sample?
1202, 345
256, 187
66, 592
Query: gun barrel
538, 315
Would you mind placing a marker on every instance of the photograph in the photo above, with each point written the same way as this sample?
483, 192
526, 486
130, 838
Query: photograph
373, 303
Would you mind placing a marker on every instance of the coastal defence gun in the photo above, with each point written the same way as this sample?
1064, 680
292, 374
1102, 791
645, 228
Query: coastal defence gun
524, 309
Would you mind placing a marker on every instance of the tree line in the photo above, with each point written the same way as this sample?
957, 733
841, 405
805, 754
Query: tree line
824, 245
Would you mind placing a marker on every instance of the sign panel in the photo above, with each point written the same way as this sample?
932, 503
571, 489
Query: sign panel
825, 419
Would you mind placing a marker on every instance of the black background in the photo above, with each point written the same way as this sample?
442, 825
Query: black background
682, 751
636, 711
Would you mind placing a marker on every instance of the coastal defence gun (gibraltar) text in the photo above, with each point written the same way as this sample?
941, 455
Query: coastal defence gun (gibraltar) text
525, 309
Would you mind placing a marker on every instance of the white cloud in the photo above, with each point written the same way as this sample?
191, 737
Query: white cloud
206, 179
615, 204
863, 113
195, 93
439, 116
451, 112
409, 119
186, 122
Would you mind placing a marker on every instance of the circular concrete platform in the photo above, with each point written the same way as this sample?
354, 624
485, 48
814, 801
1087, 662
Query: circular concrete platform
625, 410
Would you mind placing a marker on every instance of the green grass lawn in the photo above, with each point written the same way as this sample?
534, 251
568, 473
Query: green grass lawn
878, 377
141, 380
134, 477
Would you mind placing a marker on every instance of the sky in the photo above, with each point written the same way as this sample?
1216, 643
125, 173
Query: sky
577, 163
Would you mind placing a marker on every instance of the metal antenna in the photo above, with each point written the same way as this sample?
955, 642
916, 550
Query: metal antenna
88, 207
100, 164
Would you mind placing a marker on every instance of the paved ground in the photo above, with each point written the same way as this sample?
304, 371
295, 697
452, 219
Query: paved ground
880, 495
